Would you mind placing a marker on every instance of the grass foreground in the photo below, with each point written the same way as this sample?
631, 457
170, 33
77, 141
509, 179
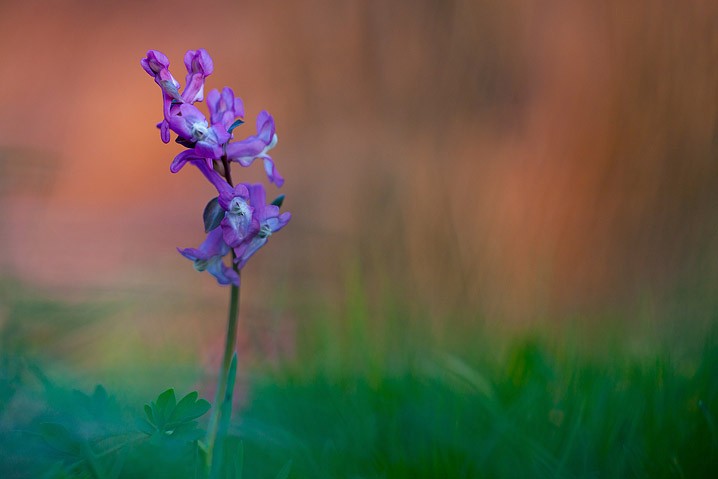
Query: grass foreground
363, 402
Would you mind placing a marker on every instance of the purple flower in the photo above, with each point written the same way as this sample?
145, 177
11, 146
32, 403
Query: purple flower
191, 126
208, 257
199, 66
224, 108
156, 64
268, 221
246, 151
238, 224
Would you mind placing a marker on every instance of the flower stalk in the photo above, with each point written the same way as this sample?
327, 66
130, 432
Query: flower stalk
223, 379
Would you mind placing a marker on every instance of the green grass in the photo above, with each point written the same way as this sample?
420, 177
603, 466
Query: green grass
392, 392
524, 407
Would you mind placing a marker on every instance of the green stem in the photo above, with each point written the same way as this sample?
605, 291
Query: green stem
229, 349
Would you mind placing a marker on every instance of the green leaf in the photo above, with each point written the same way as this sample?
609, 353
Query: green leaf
231, 377
161, 410
226, 410
238, 461
150, 415
183, 406
58, 437
212, 215
234, 125
284, 473
166, 402
197, 409
278, 201
188, 409
145, 426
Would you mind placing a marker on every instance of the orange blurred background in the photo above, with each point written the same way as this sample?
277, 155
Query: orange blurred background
517, 158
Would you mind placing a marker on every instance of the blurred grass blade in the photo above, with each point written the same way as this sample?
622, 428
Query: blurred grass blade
284, 472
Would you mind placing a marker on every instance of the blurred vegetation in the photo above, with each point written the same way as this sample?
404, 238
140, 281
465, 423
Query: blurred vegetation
377, 389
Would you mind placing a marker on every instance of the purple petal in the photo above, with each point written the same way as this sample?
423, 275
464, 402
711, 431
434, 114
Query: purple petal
238, 107
213, 105
164, 127
208, 150
180, 160
257, 198
270, 211
245, 151
199, 61
190, 253
236, 229
224, 198
247, 250
265, 127
212, 246
279, 222
224, 107
229, 193
194, 90
188, 122
223, 273
272, 172
221, 136
154, 62
199, 66
205, 167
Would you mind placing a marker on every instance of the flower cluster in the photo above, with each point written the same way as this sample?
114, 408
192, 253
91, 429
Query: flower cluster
238, 220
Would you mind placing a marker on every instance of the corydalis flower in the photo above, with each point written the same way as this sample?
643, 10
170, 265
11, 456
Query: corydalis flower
246, 224
156, 64
225, 109
193, 131
238, 220
238, 224
256, 147
199, 66
209, 257
266, 219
